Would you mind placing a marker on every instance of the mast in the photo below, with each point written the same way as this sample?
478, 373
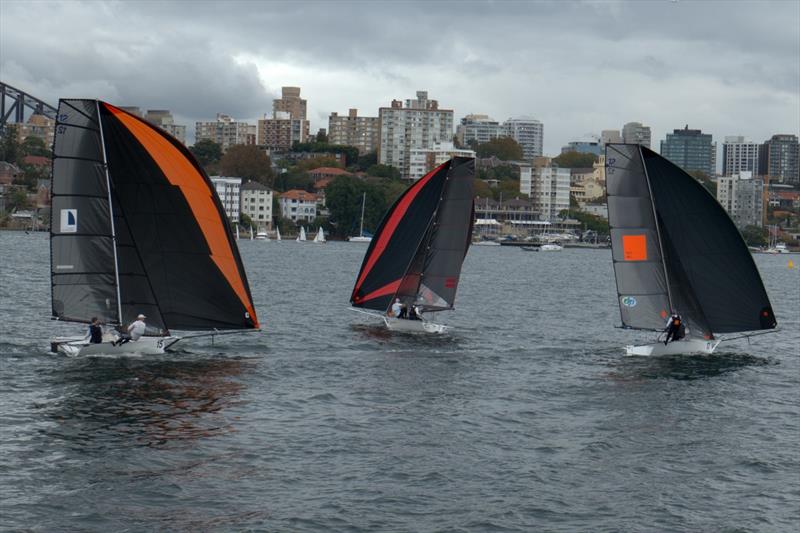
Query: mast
658, 230
363, 202
110, 213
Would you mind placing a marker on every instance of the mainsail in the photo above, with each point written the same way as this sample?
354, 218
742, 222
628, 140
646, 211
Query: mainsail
137, 228
675, 249
419, 247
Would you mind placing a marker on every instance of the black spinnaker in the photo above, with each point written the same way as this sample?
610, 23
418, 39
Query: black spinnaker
420, 245
137, 228
675, 249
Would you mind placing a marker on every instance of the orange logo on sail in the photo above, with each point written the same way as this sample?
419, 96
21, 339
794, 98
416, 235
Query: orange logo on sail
634, 247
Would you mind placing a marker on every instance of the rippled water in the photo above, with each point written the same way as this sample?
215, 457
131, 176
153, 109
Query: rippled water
526, 418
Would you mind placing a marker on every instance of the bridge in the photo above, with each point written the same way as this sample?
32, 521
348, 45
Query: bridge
15, 104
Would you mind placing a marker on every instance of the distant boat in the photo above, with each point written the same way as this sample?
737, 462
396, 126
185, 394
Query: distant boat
262, 235
362, 235
277, 234
251, 233
418, 249
551, 247
302, 236
529, 248
137, 229
675, 250
319, 238
237, 232
486, 242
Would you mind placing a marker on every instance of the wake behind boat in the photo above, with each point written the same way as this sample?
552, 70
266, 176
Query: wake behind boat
417, 252
676, 251
137, 228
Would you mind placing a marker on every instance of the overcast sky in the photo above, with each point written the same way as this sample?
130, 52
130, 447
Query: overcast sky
729, 68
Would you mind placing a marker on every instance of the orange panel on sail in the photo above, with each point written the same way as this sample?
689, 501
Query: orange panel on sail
634, 247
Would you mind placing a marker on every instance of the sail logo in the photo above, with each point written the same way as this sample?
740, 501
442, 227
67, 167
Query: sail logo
628, 301
69, 221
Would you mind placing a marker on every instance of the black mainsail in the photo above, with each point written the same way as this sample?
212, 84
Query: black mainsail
420, 244
675, 249
137, 227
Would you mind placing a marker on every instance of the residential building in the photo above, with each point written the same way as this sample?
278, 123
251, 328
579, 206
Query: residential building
423, 160
739, 155
256, 203
298, 205
479, 129
290, 102
599, 170
636, 133
548, 188
529, 133
418, 124
226, 132
583, 147
164, 120
40, 126
229, 195
587, 191
780, 159
328, 173
362, 132
279, 132
742, 196
691, 150
610, 136
133, 110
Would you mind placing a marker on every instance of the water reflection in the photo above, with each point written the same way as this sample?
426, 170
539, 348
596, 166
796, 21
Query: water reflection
146, 401
685, 367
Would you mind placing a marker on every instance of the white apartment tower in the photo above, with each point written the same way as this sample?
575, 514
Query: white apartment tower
636, 133
256, 203
742, 196
164, 120
529, 133
228, 192
739, 155
423, 160
226, 132
362, 132
418, 124
548, 187
479, 129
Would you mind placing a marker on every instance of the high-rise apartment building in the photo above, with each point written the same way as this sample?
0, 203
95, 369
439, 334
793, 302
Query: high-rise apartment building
362, 132
288, 123
228, 191
690, 150
418, 124
290, 102
636, 133
226, 132
164, 120
610, 136
548, 188
256, 203
529, 133
780, 159
739, 155
742, 196
423, 160
40, 126
479, 129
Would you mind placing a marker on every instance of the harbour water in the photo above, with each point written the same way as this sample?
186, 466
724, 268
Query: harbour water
527, 417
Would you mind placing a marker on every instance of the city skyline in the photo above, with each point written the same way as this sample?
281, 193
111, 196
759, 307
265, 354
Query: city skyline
579, 68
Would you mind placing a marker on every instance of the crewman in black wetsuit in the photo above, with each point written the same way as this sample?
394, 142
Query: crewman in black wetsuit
95, 331
675, 329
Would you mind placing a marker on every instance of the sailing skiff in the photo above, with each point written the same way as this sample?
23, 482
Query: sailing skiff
418, 249
676, 250
137, 228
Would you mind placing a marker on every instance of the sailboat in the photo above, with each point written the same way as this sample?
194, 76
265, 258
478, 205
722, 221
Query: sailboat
237, 232
319, 238
137, 228
251, 233
302, 236
675, 250
277, 234
261, 235
418, 249
362, 236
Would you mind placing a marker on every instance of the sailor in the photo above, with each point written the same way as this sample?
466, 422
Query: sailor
396, 309
674, 329
95, 333
416, 313
135, 331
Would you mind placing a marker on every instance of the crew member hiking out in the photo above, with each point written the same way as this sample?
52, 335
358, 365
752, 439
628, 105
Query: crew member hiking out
674, 329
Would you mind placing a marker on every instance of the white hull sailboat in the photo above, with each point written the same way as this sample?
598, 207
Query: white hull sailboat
678, 258
302, 236
361, 237
107, 253
416, 255
277, 234
320, 237
551, 248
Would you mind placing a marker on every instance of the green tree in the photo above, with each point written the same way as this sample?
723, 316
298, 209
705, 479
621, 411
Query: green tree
575, 160
589, 221
504, 148
343, 198
383, 171
322, 137
17, 199
755, 236
366, 160
206, 152
350, 152
10, 150
500, 172
317, 162
248, 162
34, 146
481, 188
509, 189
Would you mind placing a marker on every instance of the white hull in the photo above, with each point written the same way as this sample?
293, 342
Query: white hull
551, 248
359, 239
413, 326
690, 346
78, 347
486, 243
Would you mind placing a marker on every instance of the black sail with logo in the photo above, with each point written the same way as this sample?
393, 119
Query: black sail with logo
420, 245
